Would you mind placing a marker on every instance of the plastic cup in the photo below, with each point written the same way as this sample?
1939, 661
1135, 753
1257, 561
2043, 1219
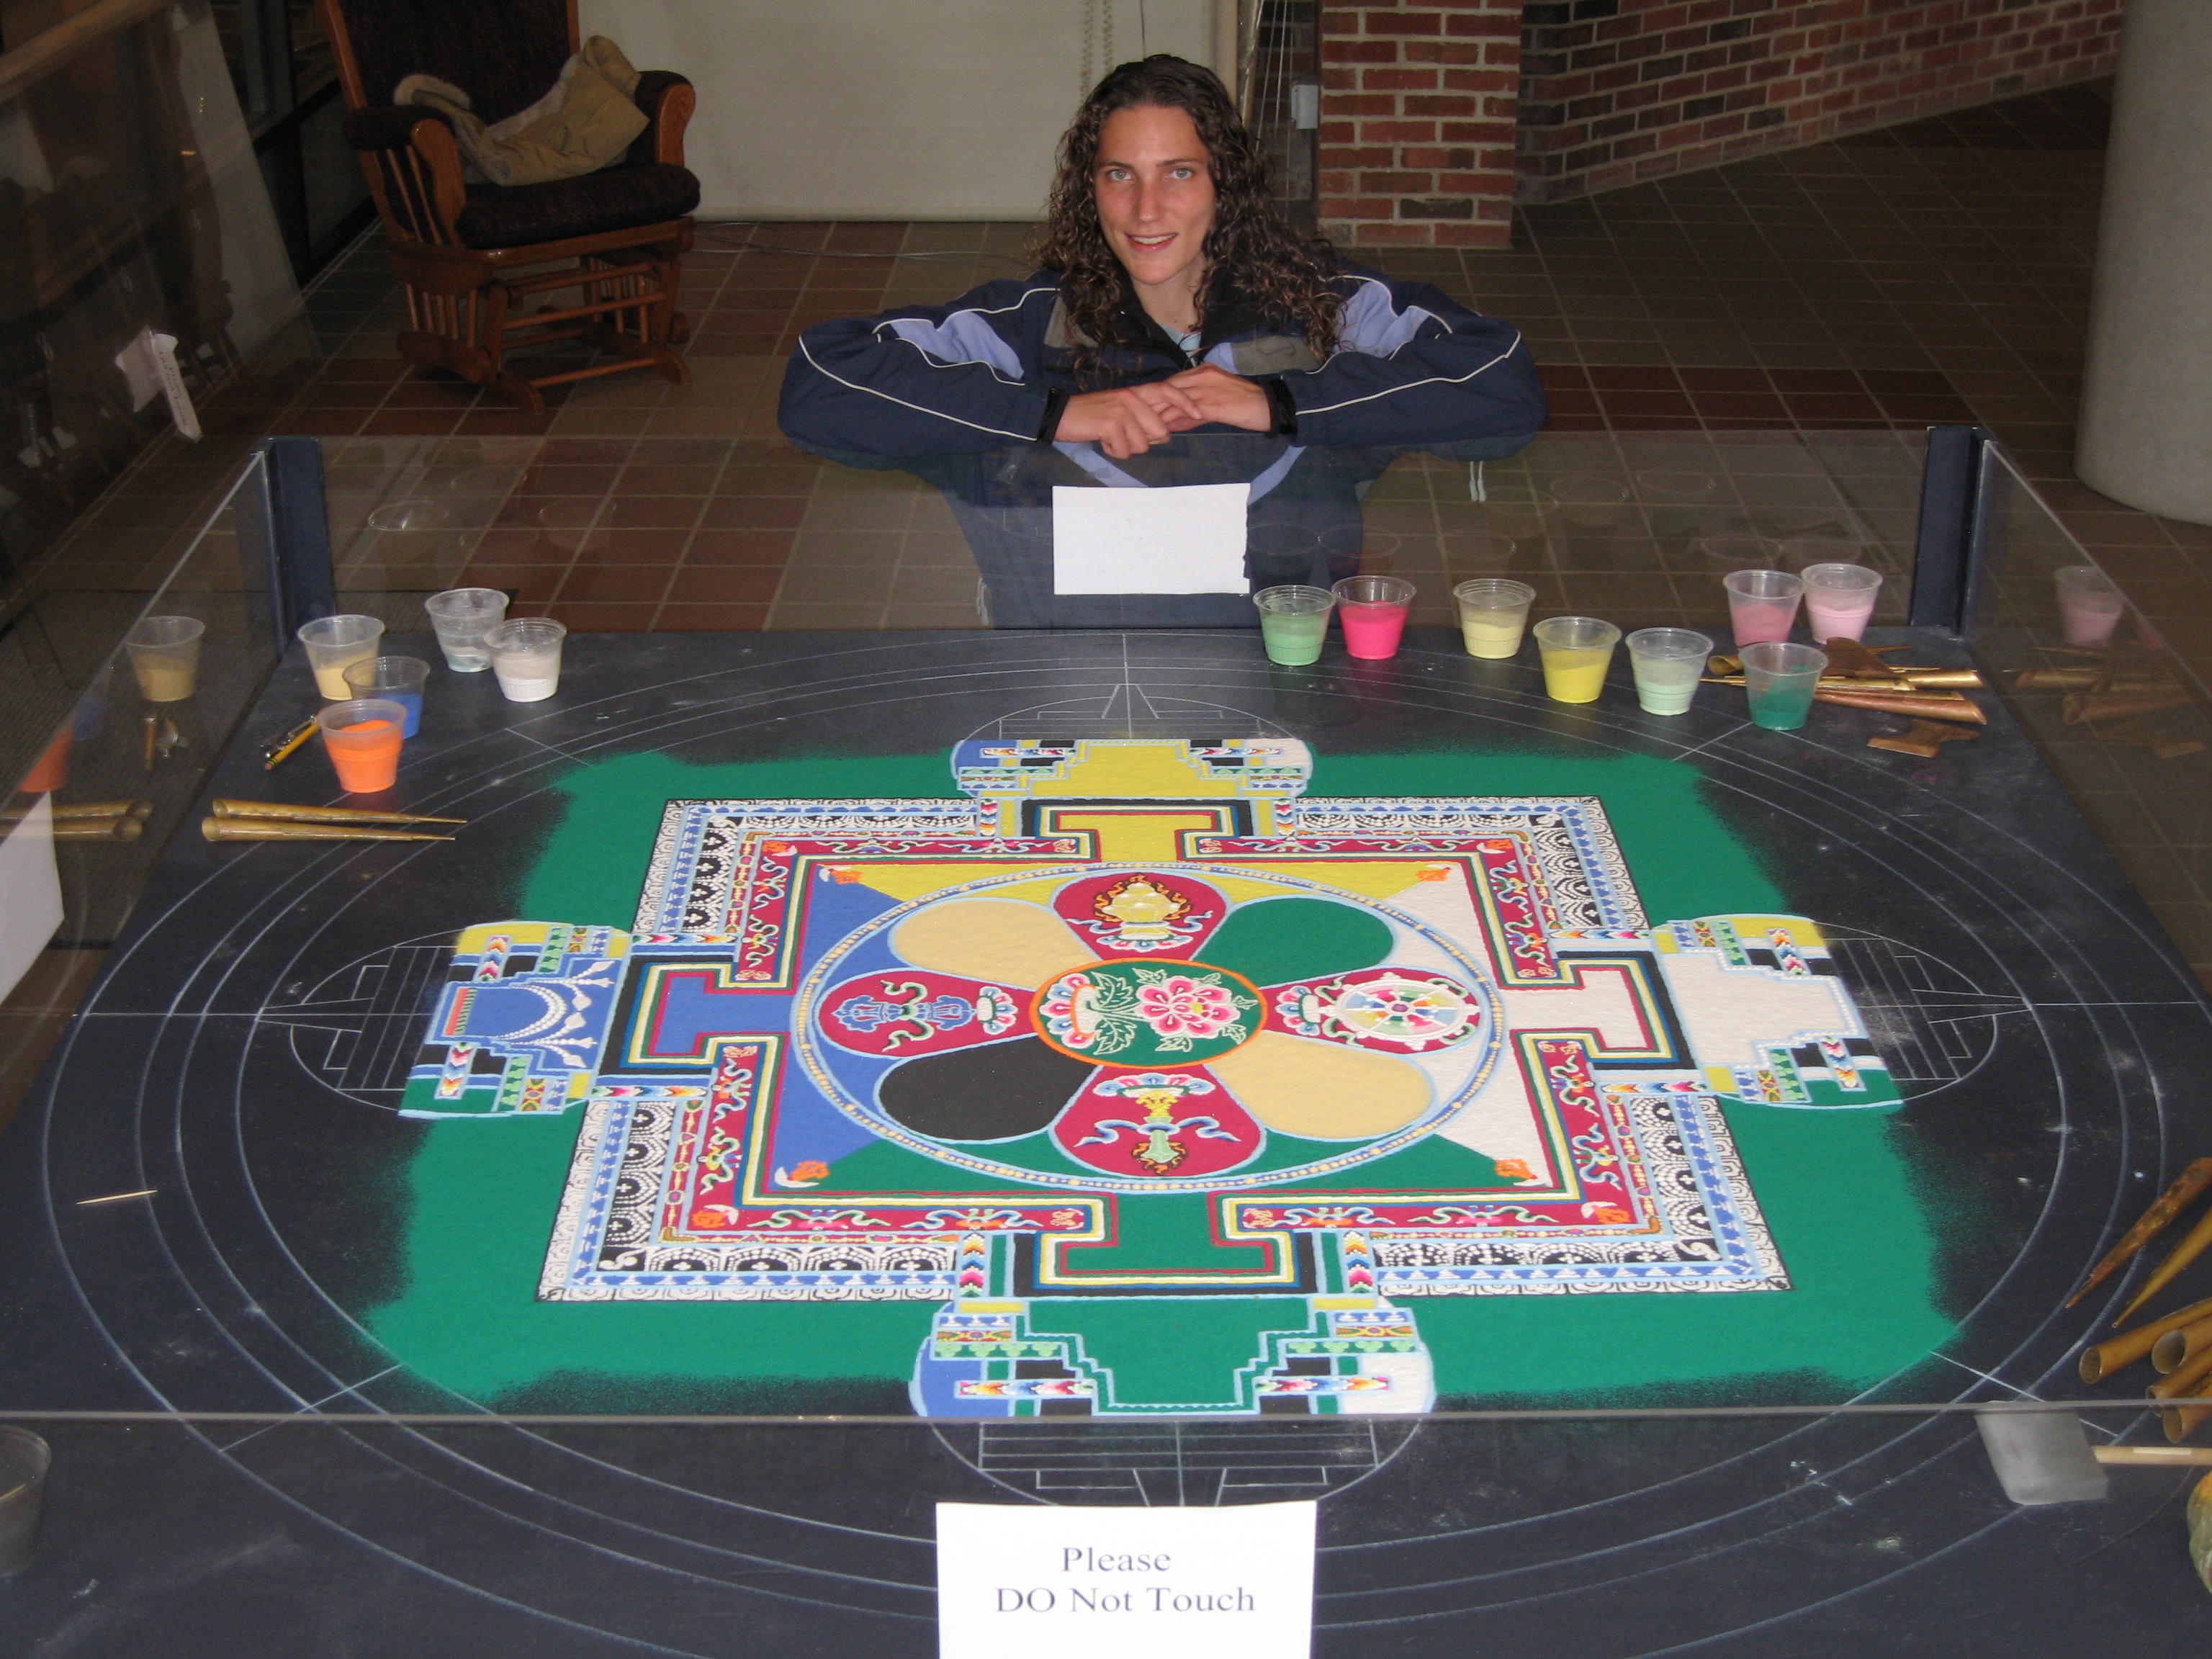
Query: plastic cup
396, 679
1667, 663
363, 736
1293, 622
1674, 503
463, 616
1479, 550
165, 656
2089, 605
1590, 504
1513, 512
334, 645
1726, 553
24, 1459
1839, 599
1781, 678
1493, 612
1577, 651
1762, 603
1372, 610
526, 655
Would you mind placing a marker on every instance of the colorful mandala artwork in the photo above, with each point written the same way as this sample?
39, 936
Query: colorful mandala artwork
1136, 1018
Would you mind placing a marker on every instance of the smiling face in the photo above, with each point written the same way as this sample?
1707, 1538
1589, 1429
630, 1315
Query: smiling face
1155, 192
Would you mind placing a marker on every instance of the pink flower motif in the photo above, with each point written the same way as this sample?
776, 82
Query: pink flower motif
1182, 1008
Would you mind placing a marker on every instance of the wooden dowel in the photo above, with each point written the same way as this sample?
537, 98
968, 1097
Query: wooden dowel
2169, 1456
2187, 1251
269, 830
2115, 1352
281, 809
2171, 1203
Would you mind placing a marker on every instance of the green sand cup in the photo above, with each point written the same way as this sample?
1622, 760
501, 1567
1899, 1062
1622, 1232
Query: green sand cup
1780, 678
1293, 622
1667, 663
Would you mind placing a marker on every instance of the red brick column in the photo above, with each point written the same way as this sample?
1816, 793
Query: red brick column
1416, 112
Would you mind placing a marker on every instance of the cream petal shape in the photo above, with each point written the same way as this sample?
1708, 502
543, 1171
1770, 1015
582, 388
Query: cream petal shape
1322, 1090
1008, 942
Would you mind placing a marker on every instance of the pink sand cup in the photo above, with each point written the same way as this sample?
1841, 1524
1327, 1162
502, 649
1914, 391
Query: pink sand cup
2089, 605
1762, 603
1373, 612
1839, 599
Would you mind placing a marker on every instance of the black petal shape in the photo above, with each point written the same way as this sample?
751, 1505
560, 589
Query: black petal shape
1000, 1091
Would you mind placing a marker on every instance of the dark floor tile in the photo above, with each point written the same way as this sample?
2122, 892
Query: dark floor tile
1613, 377
753, 512
1935, 410
1701, 380
1741, 406
626, 583
1831, 381
411, 423
725, 584
676, 616
1632, 409
603, 618
739, 547
528, 584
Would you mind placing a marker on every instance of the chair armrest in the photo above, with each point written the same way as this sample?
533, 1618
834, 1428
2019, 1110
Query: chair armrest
387, 126
667, 100
414, 168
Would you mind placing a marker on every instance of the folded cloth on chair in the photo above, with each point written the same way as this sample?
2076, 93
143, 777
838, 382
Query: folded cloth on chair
585, 122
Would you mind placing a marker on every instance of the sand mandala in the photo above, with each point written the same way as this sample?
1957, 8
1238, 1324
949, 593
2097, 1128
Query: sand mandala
1132, 1019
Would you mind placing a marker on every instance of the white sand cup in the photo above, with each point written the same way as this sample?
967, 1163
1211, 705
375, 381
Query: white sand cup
526, 656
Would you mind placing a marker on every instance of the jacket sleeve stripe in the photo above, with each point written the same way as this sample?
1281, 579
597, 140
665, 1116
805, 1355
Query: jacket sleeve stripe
961, 338
996, 432
1433, 380
1372, 325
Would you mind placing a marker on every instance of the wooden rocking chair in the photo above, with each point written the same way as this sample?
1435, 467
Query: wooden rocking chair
473, 256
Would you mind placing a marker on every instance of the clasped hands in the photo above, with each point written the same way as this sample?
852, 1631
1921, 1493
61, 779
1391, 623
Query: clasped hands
1129, 420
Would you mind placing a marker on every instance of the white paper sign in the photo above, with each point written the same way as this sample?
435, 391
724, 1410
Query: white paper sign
30, 892
1125, 1584
1188, 539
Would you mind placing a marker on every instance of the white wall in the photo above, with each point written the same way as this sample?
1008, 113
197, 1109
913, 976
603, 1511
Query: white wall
886, 109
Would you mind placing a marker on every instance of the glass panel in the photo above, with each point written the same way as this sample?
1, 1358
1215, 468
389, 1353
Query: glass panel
330, 171
314, 64
129, 200
1932, 1181
2117, 706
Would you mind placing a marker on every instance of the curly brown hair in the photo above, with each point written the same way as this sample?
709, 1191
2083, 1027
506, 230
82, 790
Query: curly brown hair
1291, 278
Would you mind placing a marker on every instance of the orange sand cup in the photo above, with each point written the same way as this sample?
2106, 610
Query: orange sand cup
362, 737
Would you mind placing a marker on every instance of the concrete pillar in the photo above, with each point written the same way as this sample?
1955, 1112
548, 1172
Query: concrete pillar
2146, 428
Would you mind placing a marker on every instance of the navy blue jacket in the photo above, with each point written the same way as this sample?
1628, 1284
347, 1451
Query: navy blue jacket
1413, 368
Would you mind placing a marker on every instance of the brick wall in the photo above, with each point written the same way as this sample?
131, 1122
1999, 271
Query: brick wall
1614, 91
1417, 121
1421, 99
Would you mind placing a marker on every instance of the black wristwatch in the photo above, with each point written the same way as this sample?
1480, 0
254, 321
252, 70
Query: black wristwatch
1286, 412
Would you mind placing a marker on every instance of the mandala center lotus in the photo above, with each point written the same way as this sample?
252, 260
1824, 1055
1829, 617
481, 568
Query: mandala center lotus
1139, 1013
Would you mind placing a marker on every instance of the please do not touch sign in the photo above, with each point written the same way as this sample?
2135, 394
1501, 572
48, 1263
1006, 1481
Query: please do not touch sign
1167, 1582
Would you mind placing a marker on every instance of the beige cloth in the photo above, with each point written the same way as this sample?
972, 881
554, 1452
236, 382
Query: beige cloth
585, 122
